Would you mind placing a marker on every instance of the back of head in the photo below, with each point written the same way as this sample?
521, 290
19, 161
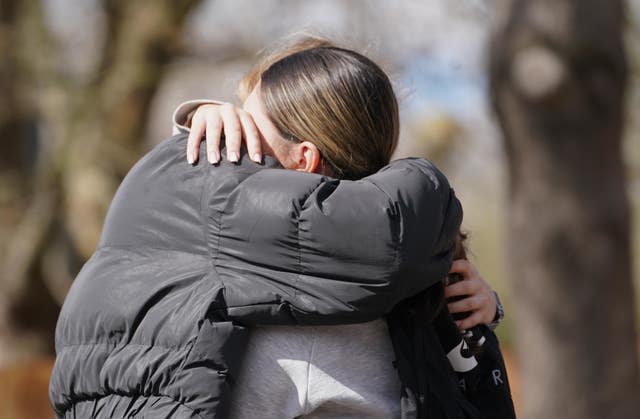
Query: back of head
333, 97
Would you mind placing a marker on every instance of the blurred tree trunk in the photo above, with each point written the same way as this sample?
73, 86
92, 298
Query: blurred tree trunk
18, 139
89, 134
558, 77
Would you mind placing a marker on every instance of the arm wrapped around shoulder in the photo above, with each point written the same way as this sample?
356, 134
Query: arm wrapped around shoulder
331, 251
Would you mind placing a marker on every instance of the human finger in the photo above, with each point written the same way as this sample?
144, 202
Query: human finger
251, 136
488, 308
198, 126
469, 322
232, 131
462, 266
464, 305
214, 129
463, 287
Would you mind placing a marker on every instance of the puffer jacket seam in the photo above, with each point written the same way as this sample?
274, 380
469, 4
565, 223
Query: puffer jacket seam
299, 261
215, 255
137, 248
303, 203
215, 252
86, 399
103, 343
107, 343
205, 212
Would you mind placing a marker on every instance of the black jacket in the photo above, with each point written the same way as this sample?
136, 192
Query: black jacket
155, 323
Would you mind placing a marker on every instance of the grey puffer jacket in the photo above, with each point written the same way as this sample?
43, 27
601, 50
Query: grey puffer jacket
155, 324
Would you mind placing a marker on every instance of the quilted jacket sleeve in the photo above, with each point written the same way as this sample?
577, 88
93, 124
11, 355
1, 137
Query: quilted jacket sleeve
285, 246
327, 251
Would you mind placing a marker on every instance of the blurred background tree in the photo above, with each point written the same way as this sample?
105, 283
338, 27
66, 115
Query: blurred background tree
67, 141
87, 87
558, 77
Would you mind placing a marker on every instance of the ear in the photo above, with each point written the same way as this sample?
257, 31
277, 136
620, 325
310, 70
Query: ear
307, 157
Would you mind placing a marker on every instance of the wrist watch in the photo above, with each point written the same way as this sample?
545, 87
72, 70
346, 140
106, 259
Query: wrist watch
499, 313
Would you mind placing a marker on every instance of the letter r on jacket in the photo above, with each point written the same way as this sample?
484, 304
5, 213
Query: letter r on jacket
497, 374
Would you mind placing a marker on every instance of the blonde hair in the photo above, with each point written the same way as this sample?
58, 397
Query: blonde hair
336, 98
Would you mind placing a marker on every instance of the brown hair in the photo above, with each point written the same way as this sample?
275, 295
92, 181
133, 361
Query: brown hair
338, 99
460, 246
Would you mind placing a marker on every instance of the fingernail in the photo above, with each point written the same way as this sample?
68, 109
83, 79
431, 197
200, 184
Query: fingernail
233, 157
257, 158
216, 158
189, 158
